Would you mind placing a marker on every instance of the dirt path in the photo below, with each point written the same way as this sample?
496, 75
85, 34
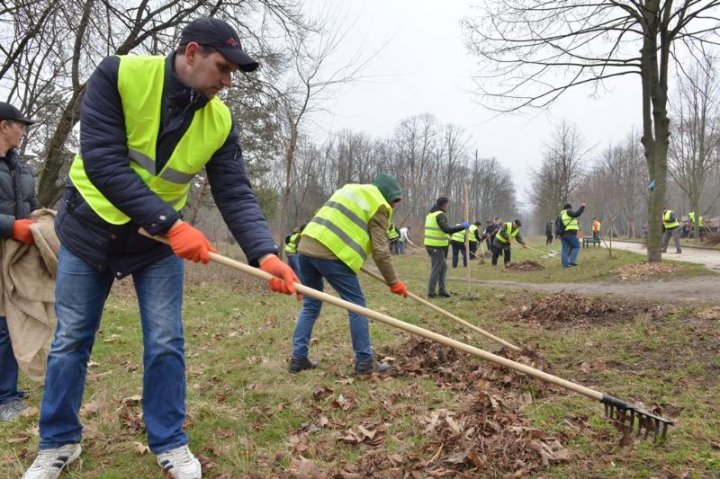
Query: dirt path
703, 289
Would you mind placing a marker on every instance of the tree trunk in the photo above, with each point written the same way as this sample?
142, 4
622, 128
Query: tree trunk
49, 188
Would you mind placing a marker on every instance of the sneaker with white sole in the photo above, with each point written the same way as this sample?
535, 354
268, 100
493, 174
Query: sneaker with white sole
49, 463
11, 410
180, 463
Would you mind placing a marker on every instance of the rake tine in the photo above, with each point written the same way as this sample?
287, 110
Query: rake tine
645, 419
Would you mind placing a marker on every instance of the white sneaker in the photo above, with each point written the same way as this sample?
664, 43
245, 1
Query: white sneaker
180, 463
49, 463
11, 410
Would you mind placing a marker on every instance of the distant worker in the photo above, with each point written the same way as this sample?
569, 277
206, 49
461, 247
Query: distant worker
351, 226
291, 248
671, 227
404, 239
596, 225
457, 243
474, 238
503, 238
569, 228
393, 234
436, 242
549, 232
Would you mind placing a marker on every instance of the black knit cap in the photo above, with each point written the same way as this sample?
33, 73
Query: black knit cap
517, 222
216, 33
9, 112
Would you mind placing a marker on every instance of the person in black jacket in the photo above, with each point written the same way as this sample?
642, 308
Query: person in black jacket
17, 201
148, 124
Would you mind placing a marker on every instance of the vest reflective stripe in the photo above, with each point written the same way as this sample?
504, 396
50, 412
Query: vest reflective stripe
669, 223
471, 233
509, 232
571, 224
141, 80
341, 225
291, 247
393, 233
434, 236
458, 236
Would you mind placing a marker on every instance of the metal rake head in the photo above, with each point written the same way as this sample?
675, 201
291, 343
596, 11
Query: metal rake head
629, 415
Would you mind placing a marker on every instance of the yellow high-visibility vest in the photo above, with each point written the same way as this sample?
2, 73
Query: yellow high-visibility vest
141, 80
342, 223
668, 222
292, 246
434, 236
509, 232
571, 224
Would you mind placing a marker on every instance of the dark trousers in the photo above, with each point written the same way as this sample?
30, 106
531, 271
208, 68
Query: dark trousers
473, 249
497, 249
456, 249
548, 239
438, 270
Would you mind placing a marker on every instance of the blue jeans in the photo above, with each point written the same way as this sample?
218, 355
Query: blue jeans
570, 249
294, 262
80, 292
345, 282
8, 367
456, 249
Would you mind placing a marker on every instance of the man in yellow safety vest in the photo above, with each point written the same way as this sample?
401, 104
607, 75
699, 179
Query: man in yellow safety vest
671, 228
436, 242
148, 125
351, 226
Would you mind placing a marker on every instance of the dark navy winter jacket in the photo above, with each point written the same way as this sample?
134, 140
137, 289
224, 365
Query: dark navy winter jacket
103, 144
17, 192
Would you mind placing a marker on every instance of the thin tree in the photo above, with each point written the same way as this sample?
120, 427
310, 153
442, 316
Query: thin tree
538, 49
694, 146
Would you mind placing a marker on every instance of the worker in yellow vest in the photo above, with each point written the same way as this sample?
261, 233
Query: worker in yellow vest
436, 243
474, 238
350, 227
503, 240
291, 248
671, 228
148, 125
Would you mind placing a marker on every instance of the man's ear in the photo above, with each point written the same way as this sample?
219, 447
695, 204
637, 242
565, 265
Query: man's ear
191, 50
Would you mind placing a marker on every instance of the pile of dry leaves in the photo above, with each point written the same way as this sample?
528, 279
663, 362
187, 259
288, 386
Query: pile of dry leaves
644, 270
524, 266
565, 308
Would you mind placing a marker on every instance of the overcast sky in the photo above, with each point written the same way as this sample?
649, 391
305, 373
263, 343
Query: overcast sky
422, 66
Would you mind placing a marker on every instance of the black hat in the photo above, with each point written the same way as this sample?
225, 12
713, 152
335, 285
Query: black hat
443, 200
517, 222
567, 206
9, 112
216, 33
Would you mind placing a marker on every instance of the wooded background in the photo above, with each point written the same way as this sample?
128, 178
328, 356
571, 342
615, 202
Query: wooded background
528, 53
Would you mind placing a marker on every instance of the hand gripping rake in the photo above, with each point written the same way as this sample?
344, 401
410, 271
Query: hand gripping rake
617, 409
446, 313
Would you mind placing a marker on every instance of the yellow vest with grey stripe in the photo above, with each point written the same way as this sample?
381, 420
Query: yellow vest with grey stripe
458, 236
140, 83
571, 224
509, 232
434, 236
341, 225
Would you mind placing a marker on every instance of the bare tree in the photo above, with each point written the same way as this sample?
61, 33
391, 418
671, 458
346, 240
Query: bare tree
538, 49
561, 172
694, 147
51, 46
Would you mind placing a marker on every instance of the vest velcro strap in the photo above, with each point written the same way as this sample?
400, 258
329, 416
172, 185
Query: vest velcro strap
348, 214
341, 234
144, 161
176, 176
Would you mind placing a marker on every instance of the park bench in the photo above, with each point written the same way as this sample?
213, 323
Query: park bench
590, 241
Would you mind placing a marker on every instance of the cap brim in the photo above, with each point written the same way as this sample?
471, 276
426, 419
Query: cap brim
239, 57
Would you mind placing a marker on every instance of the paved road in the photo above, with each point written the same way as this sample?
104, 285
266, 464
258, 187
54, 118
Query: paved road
709, 258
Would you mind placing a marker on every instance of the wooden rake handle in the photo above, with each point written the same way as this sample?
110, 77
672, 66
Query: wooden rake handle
447, 313
410, 328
